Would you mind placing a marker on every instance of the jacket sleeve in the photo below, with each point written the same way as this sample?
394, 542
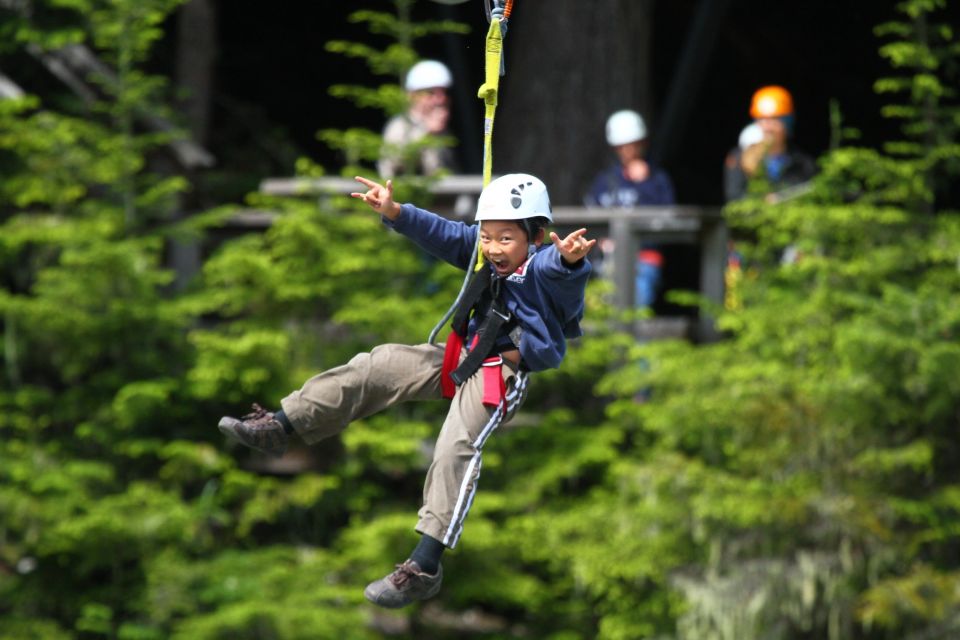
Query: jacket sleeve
667, 194
558, 293
449, 240
598, 188
734, 179
592, 198
565, 285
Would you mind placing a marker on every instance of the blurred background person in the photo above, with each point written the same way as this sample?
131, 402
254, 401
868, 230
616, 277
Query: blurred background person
633, 181
413, 143
773, 158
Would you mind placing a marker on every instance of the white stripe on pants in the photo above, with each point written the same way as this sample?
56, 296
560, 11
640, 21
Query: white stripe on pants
454, 474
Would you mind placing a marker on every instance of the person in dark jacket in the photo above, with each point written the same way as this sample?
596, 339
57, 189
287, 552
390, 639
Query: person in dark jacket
773, 158
516, 313
633, 181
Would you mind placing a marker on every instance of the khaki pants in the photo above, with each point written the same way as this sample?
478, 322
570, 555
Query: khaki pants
394, 373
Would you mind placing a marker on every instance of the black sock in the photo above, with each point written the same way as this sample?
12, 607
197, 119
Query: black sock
427, 554
282, 418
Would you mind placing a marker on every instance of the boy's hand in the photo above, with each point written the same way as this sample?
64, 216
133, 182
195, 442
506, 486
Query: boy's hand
574, 247
379, 197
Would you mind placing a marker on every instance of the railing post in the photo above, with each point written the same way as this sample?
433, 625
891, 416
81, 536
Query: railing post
713, 262
624, 261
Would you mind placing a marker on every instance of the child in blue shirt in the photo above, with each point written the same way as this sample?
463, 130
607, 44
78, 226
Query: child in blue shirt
514, 317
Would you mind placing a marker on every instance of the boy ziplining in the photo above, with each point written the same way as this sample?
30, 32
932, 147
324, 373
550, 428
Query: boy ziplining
514, 318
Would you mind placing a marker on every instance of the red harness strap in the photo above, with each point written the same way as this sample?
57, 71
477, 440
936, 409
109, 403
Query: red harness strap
494, 388
451, 357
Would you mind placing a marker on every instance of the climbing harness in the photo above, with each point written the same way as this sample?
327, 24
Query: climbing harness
483, 295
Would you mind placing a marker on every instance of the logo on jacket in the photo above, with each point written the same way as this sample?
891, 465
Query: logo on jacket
520, 275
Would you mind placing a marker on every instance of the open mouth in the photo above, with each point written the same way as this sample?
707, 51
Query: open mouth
501, 265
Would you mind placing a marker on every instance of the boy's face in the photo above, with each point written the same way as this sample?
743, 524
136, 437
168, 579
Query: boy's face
504, 244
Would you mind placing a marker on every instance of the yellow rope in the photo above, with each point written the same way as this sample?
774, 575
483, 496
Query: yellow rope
488, 93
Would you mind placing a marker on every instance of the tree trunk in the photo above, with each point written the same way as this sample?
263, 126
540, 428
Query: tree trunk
196, 54
569, 65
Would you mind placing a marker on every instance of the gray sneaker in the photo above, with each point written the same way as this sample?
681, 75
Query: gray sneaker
258, 430
405, 585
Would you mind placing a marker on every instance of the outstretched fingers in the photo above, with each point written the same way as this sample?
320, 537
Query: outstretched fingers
370, 184
575, 246
378, 197
376, 194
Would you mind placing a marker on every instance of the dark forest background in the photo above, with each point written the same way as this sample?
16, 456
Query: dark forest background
567, 69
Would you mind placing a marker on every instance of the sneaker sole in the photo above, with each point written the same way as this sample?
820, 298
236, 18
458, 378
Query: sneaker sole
228, 427
370, 593
387, 604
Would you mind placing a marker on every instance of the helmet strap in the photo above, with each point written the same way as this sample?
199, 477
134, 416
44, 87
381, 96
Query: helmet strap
527, 229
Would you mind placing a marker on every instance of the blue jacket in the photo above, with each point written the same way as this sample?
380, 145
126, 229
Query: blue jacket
544, 295
612, 189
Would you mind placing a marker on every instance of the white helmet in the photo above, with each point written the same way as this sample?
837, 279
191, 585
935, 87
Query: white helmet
751, 135
428, 74
515, 196
624, 127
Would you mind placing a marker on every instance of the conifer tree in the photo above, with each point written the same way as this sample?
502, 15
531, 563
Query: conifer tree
799, 478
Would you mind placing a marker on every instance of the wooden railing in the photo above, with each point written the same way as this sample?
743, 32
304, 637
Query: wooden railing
442, 188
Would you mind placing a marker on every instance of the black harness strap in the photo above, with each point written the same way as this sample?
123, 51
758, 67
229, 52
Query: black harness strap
486, 339
479, 284
488, 330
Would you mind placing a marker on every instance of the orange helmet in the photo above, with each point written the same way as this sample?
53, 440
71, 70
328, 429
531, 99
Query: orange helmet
771, 102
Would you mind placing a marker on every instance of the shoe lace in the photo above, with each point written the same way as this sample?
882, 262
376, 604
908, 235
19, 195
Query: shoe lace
259, 415
404, 573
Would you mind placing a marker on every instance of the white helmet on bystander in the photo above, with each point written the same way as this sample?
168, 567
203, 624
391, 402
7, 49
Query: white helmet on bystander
624, 127
428, 74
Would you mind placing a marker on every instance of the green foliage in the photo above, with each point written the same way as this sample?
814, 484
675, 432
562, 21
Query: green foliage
271, 592
809, 450
924, 54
